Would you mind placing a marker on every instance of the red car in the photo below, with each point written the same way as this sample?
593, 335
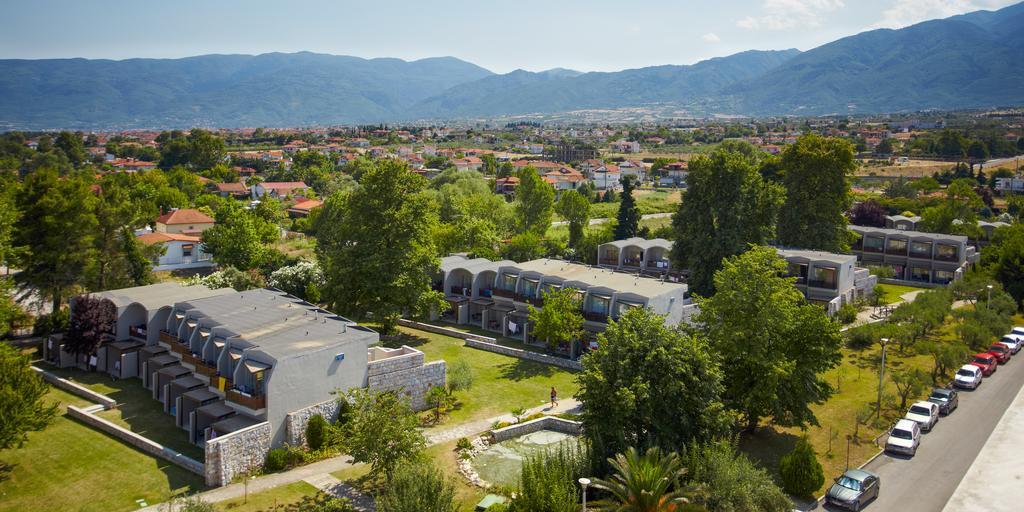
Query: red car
1002, 352
987, 362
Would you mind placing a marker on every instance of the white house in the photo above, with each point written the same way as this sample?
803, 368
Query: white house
181, 251
606, 177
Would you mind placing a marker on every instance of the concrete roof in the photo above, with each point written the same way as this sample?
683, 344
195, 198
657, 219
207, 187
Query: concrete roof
595, 276
475, 266
450, 262
155, 296
817, 255
244, 312
908, 233
641, 242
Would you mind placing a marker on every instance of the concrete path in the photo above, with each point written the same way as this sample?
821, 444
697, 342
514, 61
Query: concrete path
331, 485
602, 220
473, 428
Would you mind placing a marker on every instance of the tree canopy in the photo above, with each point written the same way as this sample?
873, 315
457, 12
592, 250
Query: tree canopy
534, 204
628, 218
23, 404
817, 182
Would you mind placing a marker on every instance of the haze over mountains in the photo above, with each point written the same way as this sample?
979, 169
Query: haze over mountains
974, 60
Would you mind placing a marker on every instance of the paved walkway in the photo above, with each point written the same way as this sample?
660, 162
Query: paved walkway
318, 474
602, 220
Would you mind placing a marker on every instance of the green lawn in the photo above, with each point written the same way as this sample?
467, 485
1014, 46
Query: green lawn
891, 292
500, 383
267, 500
69, 466
137, 410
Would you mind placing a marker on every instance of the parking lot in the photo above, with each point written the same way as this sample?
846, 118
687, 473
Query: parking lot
926, 481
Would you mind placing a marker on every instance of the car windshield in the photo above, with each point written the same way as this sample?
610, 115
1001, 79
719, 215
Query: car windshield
981, 360
998, 348
901, 434
917, 409
939, 396
965, 373
849, 483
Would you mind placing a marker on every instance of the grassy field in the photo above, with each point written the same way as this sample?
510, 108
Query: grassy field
500, 383
267, 500
647, 200
69, 466
891, 292
136, 410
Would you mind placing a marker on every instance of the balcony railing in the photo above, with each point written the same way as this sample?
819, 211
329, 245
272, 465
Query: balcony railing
946, 257
872, 249
484, 293
921, 255
522, 297
896, 252
458, 290
179, 349
508, 294
658, 264
609, 261
594, 316
252, 402
187, 357
167, 337
801, 280
817, 283
204, 369
631, 262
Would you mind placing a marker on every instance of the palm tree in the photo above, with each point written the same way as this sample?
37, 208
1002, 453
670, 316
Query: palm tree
648, 482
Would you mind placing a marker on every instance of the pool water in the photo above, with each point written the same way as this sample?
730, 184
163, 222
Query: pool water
501, 463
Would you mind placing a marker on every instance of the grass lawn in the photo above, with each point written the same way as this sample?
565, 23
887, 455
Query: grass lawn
267, 500
891, 292
69, 466
136, 410
500, 383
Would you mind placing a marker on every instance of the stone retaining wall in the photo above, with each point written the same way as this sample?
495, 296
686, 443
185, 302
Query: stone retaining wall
454, 333
295, 422
555, 423
237, 453
146, 445
525, 354
413, 382
77, 389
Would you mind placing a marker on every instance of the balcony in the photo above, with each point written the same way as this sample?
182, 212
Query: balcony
508, 294
614, 262
204, 369
253, 402
921, 255
179, 349
522, 297
631, 262
658, 264
826, 285
800, 280
946, 257
187, 357
876, 250
458, 290
484, 292
167, 337
594, 316
892, 251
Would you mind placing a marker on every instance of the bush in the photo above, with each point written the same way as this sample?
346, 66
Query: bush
732, 482
194, 504
800, 471
316, 432
276, 460
50, 323
294, 456
344, 411
847, 314
460, 376
548, 480
463, 444
418, 488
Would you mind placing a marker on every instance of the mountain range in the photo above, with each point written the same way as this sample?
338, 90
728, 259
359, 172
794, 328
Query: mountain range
974, 60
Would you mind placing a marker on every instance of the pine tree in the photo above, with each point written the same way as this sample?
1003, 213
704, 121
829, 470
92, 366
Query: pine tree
800, 470
629, 215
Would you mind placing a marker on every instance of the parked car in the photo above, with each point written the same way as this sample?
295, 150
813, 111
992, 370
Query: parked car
904, 437
968, 376
987, 362
1002, 352
1018, 330
1014, 343
947, 399
853, 489
924, 413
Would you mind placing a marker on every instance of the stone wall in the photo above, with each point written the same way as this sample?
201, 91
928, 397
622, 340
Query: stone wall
525, 354
454, 333
146, 445
554, 423
295, 422
414, 382
232, 455
77, 389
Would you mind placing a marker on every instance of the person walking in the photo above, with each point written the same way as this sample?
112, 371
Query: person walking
554, 397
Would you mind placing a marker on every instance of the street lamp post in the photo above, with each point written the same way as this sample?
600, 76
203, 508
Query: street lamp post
881, 375
584, 482
988, 304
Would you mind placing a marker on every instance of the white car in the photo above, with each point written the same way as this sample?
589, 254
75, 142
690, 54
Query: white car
968, 377
1012, 342
924, 413
1017, 330
904, 438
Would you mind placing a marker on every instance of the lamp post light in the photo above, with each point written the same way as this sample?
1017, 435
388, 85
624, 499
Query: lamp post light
584, 482
988, 304
881, 375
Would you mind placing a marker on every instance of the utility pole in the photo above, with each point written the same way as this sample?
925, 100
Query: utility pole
881, 375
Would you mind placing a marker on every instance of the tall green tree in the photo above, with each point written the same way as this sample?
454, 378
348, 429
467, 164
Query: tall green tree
773, 344
1005, 256
23, 404
71, 144
376, 249
114, 261
649, 385
560, 320
629, 215
56, 228
727, 207
239, 238
957, 214
381, 430
817, 181
9, 215
575, 209
535, 202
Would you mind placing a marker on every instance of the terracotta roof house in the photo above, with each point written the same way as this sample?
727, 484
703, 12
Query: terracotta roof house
231, 189
278, 189
186, 221
304, 207
180, 251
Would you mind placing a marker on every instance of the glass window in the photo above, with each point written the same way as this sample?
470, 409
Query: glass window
897, 246
622, 307
920, 274
944, 276
946, 252
508, 281
873, 243
599, 305
824, 277
921, 249
186, 250
798, 270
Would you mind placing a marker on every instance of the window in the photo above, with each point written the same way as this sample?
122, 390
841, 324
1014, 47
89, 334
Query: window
186, 250
622, 307
920, 274
946, 252
799, 271
921, 249
873, 244
599, 304
824, 277
896, 246
508, 282
944, 276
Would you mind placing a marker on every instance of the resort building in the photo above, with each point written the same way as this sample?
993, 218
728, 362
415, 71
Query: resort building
924, 258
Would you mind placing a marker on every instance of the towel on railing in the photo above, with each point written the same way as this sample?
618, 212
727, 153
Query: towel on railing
512, 327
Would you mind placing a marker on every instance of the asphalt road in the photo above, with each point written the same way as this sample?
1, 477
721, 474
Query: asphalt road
925, 482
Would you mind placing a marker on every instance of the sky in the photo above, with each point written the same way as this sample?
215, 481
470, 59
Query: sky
500, 35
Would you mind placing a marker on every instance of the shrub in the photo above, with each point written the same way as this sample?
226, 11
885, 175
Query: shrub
194, 504
731, 481
847, 314
460, 376
275, 460
463, 444
316, 432
548, 480
294, 456
344, 411
800, 471
52, 322
418, 488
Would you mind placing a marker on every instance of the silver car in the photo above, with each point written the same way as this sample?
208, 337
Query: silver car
853, 489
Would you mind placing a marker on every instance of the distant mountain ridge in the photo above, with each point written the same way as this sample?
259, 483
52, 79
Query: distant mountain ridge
974, 60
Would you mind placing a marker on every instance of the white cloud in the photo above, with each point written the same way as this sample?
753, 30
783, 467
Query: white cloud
787, 14
711, 37
903, 13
